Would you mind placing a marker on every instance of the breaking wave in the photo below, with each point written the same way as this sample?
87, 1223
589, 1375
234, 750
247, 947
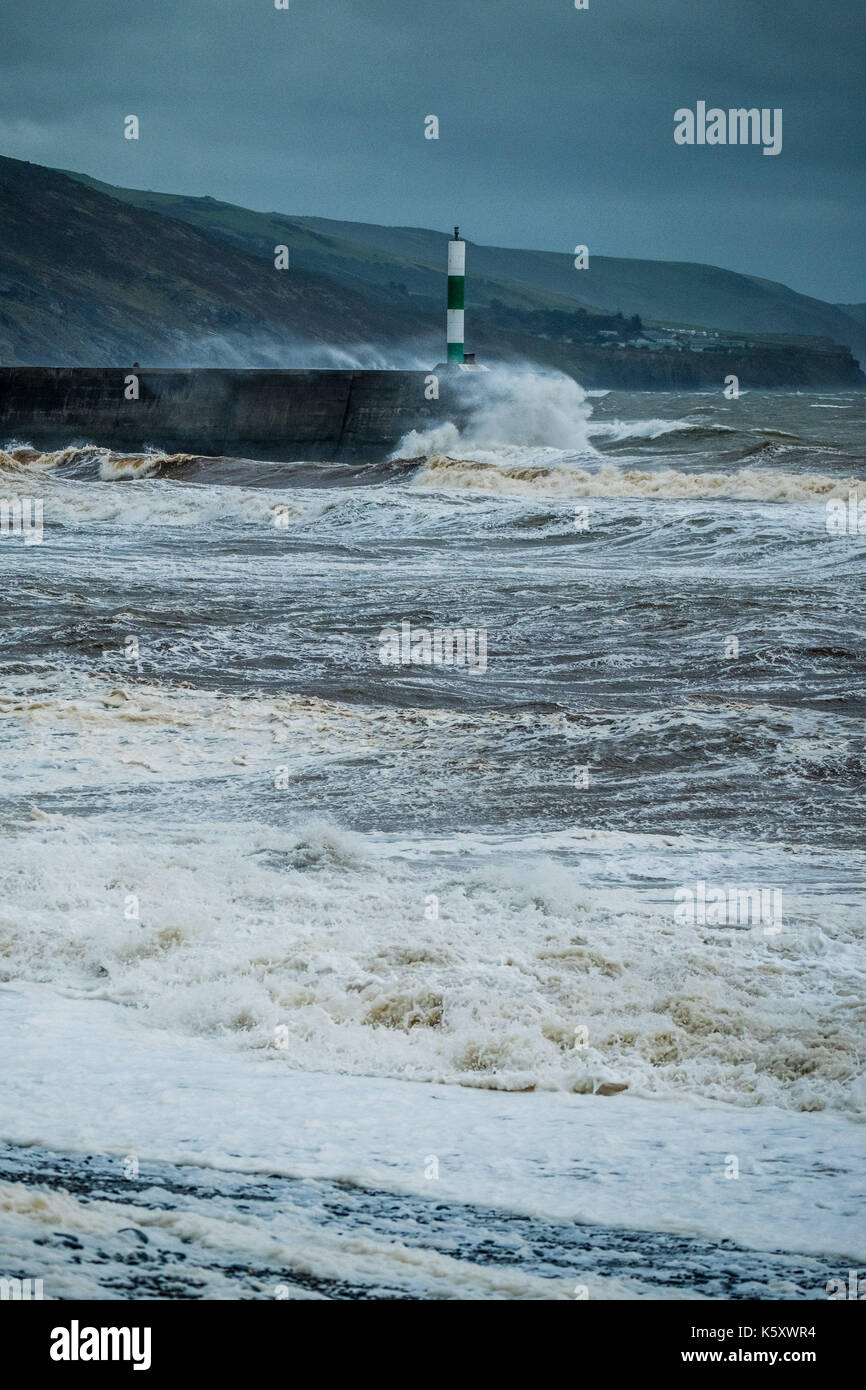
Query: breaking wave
513, 410
607, 480
92, 461
233, 943
619, 431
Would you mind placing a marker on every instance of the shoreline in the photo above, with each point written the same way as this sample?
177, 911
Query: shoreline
136, 1228
594, 1183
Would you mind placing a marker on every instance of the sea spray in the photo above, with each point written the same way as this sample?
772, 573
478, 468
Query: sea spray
509, 408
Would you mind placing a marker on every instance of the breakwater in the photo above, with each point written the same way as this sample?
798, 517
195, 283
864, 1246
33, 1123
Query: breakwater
255, 414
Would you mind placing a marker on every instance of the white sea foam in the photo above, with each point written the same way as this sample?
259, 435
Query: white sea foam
243, 927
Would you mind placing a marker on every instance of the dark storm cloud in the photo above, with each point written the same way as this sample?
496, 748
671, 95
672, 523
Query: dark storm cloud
556, 124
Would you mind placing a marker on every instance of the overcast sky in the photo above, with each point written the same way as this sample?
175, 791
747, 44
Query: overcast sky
556, 124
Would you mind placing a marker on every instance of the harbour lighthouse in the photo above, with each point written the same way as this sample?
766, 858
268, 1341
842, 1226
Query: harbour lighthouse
456, 299
456, 316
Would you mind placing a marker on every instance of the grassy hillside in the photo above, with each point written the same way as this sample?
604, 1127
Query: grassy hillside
88, 280
660, 291
854, 311
402, 265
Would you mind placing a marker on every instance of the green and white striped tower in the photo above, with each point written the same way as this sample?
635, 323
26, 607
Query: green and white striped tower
456, 297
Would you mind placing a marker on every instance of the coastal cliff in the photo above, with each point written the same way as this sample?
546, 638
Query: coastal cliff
757, 367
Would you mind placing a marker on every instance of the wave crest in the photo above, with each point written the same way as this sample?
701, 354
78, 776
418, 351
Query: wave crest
92, 460
565, 480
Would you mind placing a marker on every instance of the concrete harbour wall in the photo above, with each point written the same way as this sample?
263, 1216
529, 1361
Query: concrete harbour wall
247, 414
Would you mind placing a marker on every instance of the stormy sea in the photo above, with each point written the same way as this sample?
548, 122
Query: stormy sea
440, 877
